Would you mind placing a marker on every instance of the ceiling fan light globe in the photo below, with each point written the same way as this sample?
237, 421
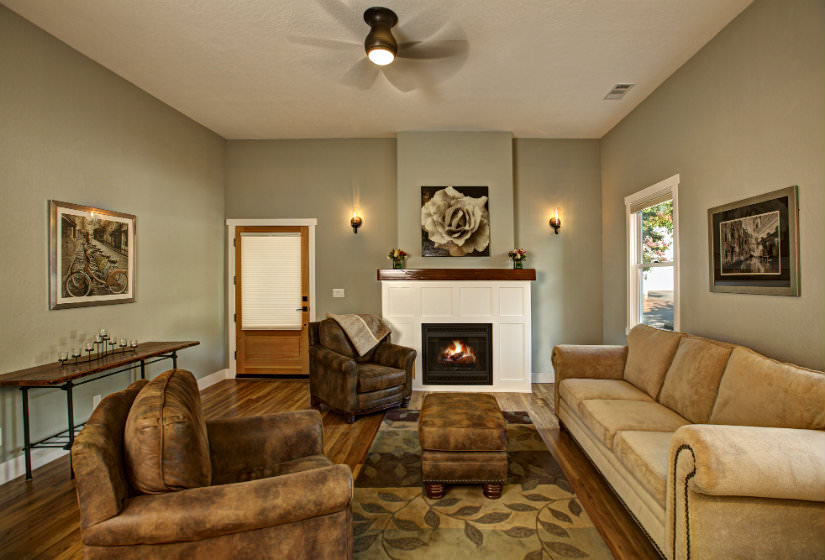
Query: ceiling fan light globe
381, 57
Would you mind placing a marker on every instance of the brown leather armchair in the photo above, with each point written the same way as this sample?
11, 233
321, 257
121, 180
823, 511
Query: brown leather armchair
350, 384
273, 494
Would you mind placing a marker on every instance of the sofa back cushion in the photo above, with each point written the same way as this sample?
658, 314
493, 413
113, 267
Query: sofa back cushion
649, 353
165, 437
692, 381
759, 391
333, 337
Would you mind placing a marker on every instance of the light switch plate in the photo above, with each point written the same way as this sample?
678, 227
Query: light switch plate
338, 292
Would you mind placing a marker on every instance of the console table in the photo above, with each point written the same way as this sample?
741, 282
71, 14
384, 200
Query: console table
65, 377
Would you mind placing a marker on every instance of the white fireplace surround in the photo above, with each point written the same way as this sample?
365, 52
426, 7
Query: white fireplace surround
405, 304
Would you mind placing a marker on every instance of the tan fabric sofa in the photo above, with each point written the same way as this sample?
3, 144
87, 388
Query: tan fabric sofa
717, 451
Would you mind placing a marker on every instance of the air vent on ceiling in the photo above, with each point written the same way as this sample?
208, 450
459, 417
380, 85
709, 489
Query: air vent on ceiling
618, 91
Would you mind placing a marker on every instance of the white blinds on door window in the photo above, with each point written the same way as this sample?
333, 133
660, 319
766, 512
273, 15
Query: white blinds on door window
271, 281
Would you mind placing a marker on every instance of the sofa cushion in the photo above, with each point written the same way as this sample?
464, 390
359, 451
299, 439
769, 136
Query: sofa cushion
165, 439
759, 391
331, 335
574, 391
372, 377
692, 381
379, 398
606, 417
645, 455
649, 353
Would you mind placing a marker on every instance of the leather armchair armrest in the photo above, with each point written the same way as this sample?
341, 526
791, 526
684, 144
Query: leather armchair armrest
333, 360
587, 361
401, 357
211, 511
780, 463
393, 355
246, 445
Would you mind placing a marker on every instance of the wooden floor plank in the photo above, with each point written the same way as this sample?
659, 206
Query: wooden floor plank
40, 518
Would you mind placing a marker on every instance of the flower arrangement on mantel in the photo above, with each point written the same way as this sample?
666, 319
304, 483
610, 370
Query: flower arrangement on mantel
397, 256
518, 256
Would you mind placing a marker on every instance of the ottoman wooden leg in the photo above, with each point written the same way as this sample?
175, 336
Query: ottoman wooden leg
492, 491
436, 491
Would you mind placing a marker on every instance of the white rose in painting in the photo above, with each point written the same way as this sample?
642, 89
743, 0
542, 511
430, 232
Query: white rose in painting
456, 222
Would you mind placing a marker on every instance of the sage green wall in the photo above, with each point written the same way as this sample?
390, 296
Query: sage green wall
566, 296
323, 179
744, 116
455, 158
73, 131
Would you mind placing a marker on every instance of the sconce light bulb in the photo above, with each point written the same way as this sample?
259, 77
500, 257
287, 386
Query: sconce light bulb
555, 222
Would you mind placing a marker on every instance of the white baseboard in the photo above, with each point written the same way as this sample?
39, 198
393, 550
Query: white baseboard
213, 378
16, 466
544, 377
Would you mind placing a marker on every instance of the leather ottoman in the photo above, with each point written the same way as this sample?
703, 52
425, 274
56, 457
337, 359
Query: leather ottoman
463, 441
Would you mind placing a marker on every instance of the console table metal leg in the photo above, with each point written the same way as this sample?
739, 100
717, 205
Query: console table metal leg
142, 369
70, 412
27, 451
174, 360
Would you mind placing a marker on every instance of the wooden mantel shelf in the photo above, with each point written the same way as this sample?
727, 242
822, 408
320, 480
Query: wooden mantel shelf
456, 274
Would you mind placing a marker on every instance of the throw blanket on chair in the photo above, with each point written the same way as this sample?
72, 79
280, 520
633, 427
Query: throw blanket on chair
365, 331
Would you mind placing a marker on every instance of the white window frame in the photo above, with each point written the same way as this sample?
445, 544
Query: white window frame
669, 187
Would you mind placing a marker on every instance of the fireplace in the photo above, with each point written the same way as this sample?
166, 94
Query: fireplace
457, 353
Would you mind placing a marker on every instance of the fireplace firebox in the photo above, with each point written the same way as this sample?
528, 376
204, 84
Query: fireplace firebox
457, 353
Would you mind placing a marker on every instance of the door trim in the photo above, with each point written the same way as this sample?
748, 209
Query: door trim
231, 224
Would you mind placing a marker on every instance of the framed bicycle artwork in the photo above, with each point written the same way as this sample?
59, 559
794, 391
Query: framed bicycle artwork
91, 256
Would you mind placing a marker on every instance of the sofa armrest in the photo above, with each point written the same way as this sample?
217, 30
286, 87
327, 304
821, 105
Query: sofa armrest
333, 360
401, 357
393, 355
587, 361
212, 511
748, 461
239, 446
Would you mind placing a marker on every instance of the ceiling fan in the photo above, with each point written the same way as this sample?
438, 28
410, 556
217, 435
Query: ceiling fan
406, 64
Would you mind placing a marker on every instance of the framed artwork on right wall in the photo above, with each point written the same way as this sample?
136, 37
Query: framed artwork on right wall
754, 244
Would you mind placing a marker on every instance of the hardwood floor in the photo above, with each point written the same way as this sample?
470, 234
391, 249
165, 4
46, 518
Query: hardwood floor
40, 518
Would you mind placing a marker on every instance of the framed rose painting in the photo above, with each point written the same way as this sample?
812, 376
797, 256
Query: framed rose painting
455, 222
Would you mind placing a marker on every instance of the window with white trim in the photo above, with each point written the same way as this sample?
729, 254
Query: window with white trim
653, 256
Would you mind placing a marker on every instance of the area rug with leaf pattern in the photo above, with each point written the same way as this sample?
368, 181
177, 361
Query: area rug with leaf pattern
537, 517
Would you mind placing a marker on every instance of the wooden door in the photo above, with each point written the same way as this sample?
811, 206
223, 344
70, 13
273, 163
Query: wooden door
271, 300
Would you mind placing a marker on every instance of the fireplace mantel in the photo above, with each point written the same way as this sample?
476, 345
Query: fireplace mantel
457, 274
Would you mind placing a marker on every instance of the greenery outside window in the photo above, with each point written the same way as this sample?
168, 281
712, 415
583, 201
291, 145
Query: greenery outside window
653, 256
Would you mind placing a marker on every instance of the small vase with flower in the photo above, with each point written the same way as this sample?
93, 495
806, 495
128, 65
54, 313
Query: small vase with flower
397, 256
518, 256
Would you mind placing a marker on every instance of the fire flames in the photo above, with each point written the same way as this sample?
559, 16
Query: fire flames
458, 353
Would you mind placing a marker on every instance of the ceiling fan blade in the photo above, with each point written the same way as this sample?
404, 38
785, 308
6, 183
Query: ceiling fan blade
345, 15
322, 43
400, 76
430, 50
362, 75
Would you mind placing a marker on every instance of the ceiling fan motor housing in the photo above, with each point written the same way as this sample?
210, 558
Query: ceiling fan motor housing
381, 21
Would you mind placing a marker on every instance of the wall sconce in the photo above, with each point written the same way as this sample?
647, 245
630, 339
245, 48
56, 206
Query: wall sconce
555, 221
356, 220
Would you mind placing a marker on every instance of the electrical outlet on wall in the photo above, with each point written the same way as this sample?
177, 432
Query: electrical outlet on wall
338, 292
95, 401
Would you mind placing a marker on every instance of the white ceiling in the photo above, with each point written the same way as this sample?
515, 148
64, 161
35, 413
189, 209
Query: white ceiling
249, 68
